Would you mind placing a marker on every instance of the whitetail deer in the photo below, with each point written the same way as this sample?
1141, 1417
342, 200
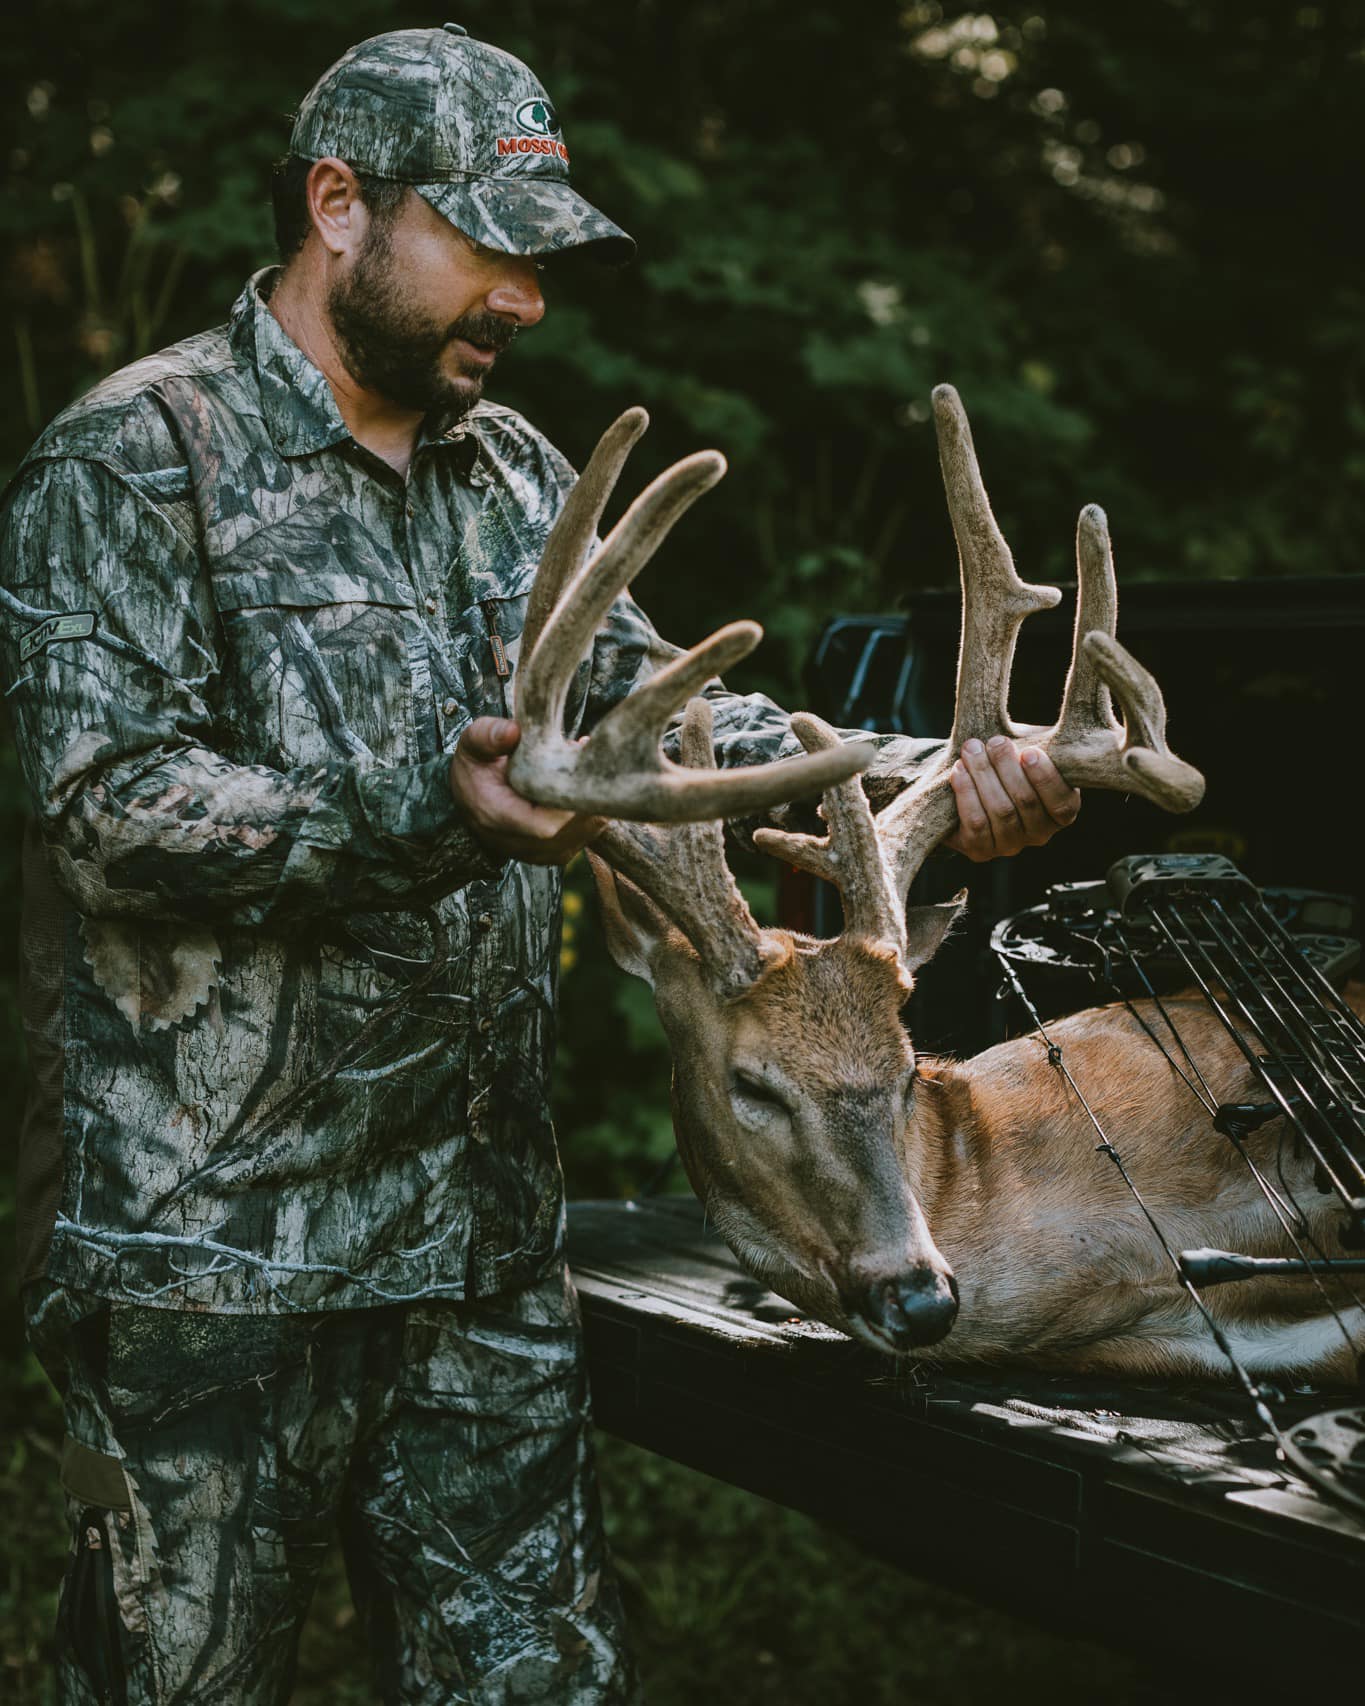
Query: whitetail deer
911, 1203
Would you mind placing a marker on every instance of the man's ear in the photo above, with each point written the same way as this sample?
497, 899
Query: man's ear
336, 207
635, 928
926, 926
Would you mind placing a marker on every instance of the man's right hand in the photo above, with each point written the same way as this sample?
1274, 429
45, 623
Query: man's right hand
499, 817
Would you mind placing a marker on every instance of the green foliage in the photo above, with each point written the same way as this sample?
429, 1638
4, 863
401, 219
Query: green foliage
33, 1522
612, 1065
732, 1598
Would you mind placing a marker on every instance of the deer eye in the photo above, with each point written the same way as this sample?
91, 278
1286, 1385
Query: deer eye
752, 1089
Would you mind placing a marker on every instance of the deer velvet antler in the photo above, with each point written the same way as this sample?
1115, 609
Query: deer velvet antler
621, 771
1088, 744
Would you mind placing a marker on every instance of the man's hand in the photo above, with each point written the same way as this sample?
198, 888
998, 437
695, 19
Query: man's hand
1007, 799
499, 817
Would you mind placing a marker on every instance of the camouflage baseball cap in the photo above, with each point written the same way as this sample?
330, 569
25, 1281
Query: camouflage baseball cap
471, 130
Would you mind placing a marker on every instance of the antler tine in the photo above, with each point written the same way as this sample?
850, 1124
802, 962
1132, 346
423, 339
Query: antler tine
916, 821
995, 602
578, 611
573, 532
994, 599
1136, 759
627, 737
849, 856
620, 772
1089, 745
683, 869
1085, 703
1090, 753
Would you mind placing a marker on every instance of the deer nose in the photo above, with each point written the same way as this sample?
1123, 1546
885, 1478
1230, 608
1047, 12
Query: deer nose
912, 1309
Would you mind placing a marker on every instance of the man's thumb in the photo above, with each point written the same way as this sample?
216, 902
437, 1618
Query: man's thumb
488, 738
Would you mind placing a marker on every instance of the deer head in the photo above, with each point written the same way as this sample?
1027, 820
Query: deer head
800, 1115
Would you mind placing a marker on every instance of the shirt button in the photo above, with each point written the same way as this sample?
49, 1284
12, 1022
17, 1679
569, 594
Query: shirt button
486, 1024
431, 606
449, 707
411, 512
484, 921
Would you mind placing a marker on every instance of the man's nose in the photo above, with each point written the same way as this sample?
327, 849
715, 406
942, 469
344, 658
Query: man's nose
517, 293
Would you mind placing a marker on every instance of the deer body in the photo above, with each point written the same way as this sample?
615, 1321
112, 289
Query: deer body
1083, 1284
958, 1209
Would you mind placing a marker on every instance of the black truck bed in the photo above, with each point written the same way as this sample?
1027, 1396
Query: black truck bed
1153, 1517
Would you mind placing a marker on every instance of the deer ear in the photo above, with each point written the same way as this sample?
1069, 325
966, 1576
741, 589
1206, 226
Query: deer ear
926, 926
635, 928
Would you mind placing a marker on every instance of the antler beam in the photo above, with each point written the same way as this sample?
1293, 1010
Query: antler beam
994, 599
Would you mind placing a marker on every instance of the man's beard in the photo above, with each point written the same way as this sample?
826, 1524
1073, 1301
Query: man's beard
395, 350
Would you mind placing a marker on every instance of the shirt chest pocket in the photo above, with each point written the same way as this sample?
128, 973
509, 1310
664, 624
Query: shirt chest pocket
487, 641
318, 667
491, 651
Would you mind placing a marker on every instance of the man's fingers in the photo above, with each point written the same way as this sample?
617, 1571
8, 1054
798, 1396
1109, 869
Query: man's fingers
1007, 800
1060, 800
540, 823
973, 834
500, 816
1000, 808
1034, 820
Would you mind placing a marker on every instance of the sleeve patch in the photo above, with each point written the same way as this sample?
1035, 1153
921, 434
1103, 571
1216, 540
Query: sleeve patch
76, 625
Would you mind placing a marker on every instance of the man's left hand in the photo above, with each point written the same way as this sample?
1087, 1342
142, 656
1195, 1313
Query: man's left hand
1007, 798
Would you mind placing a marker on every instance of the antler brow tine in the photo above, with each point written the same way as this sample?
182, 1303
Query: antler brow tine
683, 870
850, 855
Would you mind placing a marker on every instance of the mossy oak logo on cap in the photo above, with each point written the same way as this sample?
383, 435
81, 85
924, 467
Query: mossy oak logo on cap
538, 117
541, 123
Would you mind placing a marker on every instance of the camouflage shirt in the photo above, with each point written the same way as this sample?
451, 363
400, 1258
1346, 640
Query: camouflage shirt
290, 1025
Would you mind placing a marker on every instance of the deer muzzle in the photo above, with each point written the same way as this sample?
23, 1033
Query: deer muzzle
909, 1310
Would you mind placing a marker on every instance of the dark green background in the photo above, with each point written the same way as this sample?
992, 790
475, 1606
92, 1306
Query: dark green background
1127, 234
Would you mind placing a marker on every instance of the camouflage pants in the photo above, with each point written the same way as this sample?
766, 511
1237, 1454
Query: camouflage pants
210, 1459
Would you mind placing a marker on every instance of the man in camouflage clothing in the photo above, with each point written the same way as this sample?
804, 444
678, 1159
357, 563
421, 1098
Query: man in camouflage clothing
293, 1215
